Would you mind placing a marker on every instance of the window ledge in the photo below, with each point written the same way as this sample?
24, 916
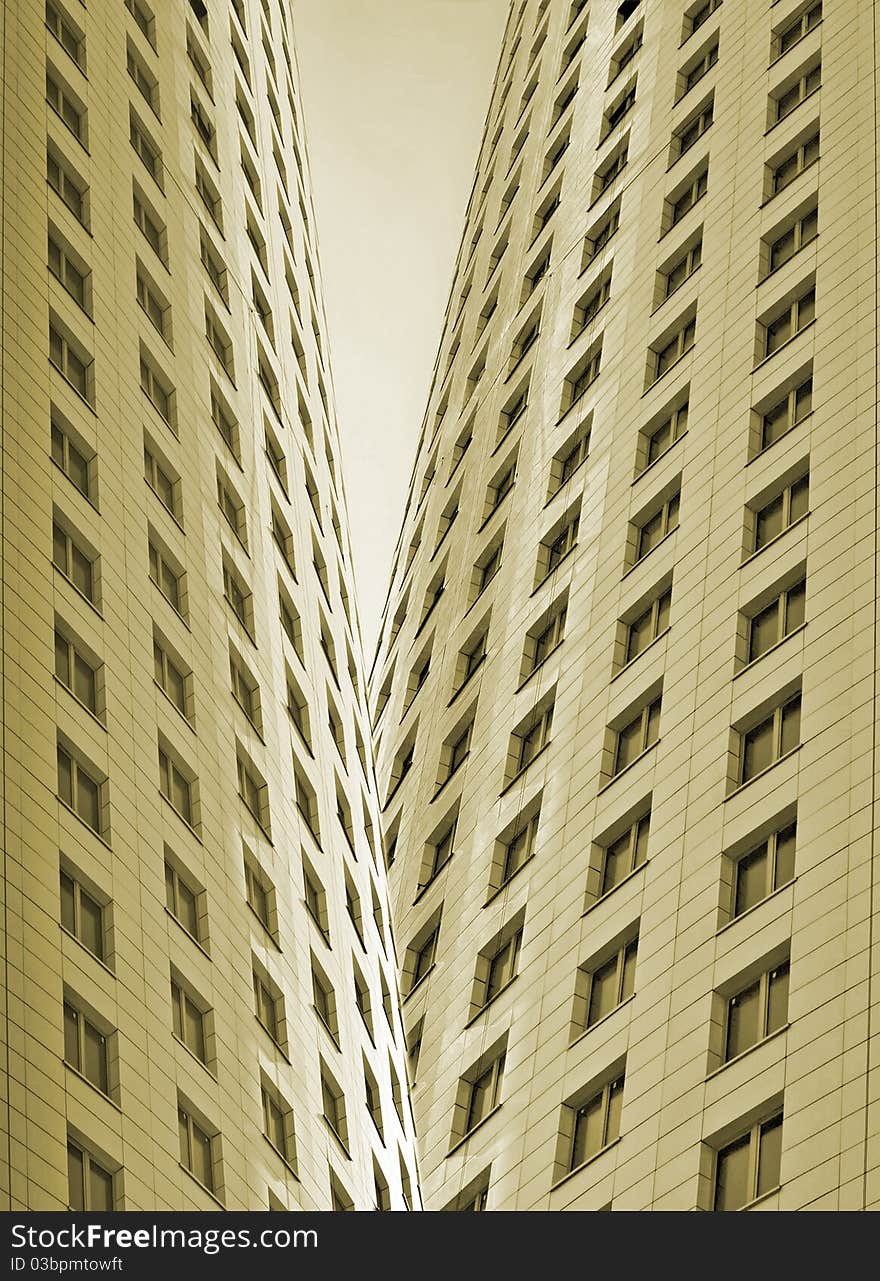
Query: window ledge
603, 1019
504, 884
775, 539
191, 937
88, 826
538, 667
423, 889
213, 1195
193, 1055
94, 716
747, 667
742, 1054
626, 768
763, 1197
782, 347
761, 773
583, 1165
80, 1076
491, 1001
548, 576
735, 919
494, 511
521, 772
787, 432
602, 897
628, 664
460, 1142
654, 463
416, 986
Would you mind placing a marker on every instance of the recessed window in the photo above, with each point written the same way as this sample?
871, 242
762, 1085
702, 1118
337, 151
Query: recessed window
146, 83
74, 562
90, 1185
219, 342
324, 999
306, 802
439, 850
659, 437
269, 1006
254, 791
258, 894
600, 233
82, 915
685, 197
748, 1167
143, 16
482, 1093
691, 131
189, 1021
655, 528
238, 596
80, 789
232, 508
72, 189
151, 302
421, 955
681, 269
315, 900
556, 546
196, 1149
157, 389
756, 1011
519, 846
611, 983
610, 169
182, 901
596, 1123
697, 15
497, 964
695, 70
69, 269
333, 1101
76, 672
648, 625
636, 736
278, 1124
764, 869
624, 854
245, 689
785, 101
777, 620
802, 232
209, 195
544, 637
591, 304
670, 350
176, 787
455, 749
487, 566
170, 675
150, 225
797, 315
146, 149
528, 740
65, 31
158, 475
167, 578
793, 163
66, 105
85, 1048
291, 624
786, 507
72, 361
772, 738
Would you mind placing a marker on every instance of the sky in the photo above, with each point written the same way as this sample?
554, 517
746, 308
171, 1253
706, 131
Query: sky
395, 93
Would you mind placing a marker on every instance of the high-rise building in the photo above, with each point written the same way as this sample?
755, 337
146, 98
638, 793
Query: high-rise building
200, 1006
626, 688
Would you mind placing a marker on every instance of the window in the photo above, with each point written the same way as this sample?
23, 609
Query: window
421, 957
146, 149
786, 101
144, 19
166, 578
232, 508
584, 374
71, 457
198, 61
85, 1048
315, 901
258, 894
89, 1183
596, 1123
150, 226
68, 36
196, 1149
568, 460
71, 189
780, 512
525, 340
372, 1099
793, 163
220, 343
796, 237
455, 750
624, 855
756, 1011
268, 1010
694, 72
164, 486
499, 487
601, 233
691, 131
764, 869
65, 104
362, 999
625, 55
796, 316
497, 965
438, 851
663, 357
556, 546
157, 390
591, 304
529, 740
307, 803
71, 361
771, 739
76, 672
795, 30
237, 595
175, 787
209, 195
74, 563
169, 675
298, 710
614, 165
189, 1021
538, 270
66, 267
324, 999
777, 620
686, 197
203, 126
518, 848
143, 78
657, 439
611, 983
277, 1125
544, 637
648, 625
748, 1167
656, 527
333, 1101
483, 1094
636, 736
681, 269
699, 14
80, 790
153, 305
214, 265
182, 901
82, 915
254, 792
290, 624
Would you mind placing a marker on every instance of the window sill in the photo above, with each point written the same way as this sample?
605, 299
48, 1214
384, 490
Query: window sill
735, 919
775, 539
93, 715
483, 1008
655, 461
628, 664
763, 1197
193, 1055
747, 667
213, 1195
416, 986
520, 773
191, 937
740, 787
788, 115
642, 559
782, 347
549, 575
743, 1053
103, 964
620, 773
602, 897
460, 1142
583, 1165
504, 884
423, 889
538, 667
463, 686
603, 1019
103, 839
79, 1075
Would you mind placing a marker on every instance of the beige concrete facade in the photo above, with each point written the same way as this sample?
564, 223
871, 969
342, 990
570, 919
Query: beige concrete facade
198, 962
632, 837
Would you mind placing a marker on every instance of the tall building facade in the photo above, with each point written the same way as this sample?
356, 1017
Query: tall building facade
199, 1002
626, 688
